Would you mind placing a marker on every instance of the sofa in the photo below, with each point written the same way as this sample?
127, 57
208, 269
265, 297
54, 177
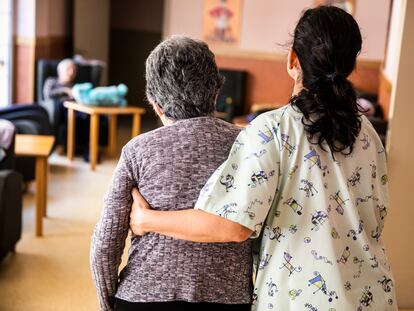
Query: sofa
28, 119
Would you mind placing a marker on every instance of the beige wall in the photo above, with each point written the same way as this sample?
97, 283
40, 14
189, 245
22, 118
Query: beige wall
266, 24
399, 229
91, 31
52, 19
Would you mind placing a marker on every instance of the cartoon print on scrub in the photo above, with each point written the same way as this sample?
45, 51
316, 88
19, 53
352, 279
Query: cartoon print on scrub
345, 255
315, 160
271, 288
263, 262
258, 155
319, 282
340, 202
335, 234
323, 258
308, 187
260, 177
251, 205
359, 262
228, 182
355, 177
382, 211
354, 233
318, 218
288, 265
386, 283
273, 233
367, 298
293, 293
257, 228
227, 209
366, 141
293, 229
286, 145
375, 262
373, 170
376, 234
267, 135
384, 179
294, 205
366, 199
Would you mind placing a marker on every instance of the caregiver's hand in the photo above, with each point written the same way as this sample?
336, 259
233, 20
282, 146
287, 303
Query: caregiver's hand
139, 211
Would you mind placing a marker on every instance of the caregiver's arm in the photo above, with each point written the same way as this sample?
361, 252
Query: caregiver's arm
192, 225
235, 201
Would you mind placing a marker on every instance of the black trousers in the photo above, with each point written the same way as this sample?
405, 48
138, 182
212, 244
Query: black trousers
122, 305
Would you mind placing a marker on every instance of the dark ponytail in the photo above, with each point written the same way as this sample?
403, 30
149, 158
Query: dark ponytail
327, 41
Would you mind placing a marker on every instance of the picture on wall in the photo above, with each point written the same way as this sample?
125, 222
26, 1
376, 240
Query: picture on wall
347, 5
221, 22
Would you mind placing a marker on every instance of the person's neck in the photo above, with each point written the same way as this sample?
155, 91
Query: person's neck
64, 82
297, 88
166, 121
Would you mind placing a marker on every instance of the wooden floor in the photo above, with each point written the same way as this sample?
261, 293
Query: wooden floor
52, 272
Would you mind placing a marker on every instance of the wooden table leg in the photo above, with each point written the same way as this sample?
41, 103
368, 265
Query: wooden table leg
94, 141
44, 203
71, 134
40, 194
136, 125
112, 134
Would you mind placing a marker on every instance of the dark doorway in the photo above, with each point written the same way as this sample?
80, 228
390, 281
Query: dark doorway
135, 29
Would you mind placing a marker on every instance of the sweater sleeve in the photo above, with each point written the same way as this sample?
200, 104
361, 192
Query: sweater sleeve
108, 240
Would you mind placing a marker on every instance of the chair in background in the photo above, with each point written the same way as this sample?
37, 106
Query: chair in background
48, 68
85, 73
231, 99
10, 204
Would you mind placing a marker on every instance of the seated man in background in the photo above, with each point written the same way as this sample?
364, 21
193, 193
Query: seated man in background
60, 88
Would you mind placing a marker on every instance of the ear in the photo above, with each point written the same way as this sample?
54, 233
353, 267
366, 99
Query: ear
293, 66
158, 110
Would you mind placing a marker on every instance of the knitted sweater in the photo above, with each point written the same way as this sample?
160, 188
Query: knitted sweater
169, 165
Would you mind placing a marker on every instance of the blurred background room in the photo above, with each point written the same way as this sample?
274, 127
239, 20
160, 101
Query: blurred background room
57, 156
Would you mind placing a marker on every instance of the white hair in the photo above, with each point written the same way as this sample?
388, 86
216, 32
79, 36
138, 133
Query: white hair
63, 64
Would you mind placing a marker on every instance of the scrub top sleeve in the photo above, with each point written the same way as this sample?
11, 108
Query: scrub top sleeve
243, 187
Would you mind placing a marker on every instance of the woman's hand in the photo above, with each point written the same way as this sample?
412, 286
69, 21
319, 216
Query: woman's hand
138, 212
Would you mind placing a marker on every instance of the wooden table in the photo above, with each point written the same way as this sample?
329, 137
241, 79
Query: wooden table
95, 112
38, 146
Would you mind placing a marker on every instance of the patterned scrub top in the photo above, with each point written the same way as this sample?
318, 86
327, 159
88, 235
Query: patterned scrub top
318, 219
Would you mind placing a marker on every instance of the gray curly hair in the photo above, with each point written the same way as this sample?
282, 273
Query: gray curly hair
183, 78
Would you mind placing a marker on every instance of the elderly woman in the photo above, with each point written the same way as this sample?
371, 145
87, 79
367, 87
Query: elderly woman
170, 165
